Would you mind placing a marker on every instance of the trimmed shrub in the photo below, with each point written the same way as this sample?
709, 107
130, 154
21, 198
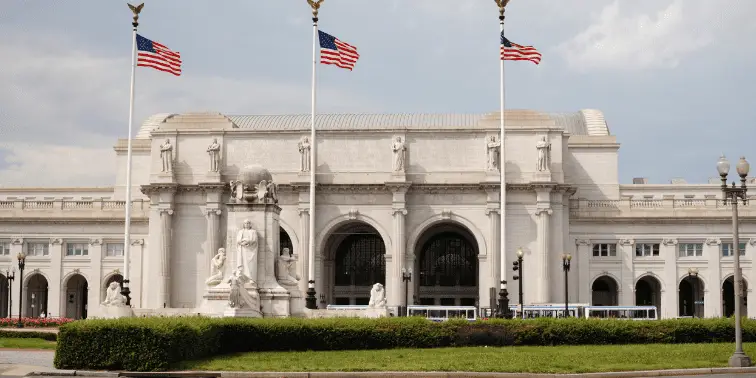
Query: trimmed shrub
154, 344
49, 336
34, 322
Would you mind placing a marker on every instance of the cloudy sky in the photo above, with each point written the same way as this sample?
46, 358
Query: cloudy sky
674, 78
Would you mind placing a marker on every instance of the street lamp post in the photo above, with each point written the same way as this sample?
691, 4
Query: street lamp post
406, 278
21, 263
732, 195
10, 274
517, 267
566, 268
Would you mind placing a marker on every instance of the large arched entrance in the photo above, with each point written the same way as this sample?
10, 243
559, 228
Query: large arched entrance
604, 292
355, 260
447, 266
648, 292
35, 300
77, 291
3, 296
691, 297
728, 297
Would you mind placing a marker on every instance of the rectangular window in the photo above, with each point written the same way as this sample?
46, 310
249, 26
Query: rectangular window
37, 249
646, 250
690, 249
77, 249
727, 249
4, 248
114, 250
604, 250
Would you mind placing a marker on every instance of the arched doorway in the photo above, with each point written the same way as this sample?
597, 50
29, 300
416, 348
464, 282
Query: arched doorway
284, 241
447, 266
605, 292
355, 260
77, 291
114, 278
3, 296
36, 296
728, 297
691, 297
648, 292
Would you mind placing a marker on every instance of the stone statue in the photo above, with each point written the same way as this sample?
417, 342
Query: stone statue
544, 155
166, 154
266, 190
493, 153
216, 268
214, 151
237, 190
304, 154
286, 270
246, 252
114, 296
377, 296
239, 297
399, 154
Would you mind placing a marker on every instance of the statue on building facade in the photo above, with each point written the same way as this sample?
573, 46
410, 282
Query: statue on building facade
166, 155
399, 149
304, 154
214, 151
246, 252
254, 185
114, 296
216, 268
544, 155
493, 153
239, 297
286, 270
377, 296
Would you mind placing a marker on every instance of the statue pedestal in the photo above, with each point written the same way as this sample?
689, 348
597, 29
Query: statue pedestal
215, 301
241, 313
296, 300
213, 177
116, 312
398, 177
163, 178
274, 303
542, 176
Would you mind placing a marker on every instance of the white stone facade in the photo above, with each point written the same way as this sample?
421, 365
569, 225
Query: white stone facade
437, 217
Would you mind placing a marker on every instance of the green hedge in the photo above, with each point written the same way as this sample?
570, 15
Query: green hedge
155, 344
49, 336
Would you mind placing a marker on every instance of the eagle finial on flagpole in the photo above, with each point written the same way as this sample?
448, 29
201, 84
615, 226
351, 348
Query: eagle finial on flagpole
315, 5
502, 4
136, 10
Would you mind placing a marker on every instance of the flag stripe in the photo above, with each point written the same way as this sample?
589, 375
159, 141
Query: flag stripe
336, 52
158, 56
512, 51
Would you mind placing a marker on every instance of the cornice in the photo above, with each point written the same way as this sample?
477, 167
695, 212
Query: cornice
655, 220
134, 220
158, 188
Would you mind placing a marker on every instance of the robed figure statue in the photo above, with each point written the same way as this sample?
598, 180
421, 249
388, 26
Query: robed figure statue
246, 250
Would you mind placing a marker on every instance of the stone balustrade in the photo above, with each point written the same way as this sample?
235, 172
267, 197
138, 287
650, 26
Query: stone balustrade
80, 209
657, 208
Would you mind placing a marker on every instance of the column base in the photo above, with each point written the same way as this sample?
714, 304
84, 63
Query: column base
739, 360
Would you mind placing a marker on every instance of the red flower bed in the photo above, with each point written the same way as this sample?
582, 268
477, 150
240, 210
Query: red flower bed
35, 322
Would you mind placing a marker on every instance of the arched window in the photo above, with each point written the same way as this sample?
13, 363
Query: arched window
360, 261
448, 259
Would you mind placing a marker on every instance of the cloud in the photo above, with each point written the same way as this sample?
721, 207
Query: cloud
57, 94
621, 38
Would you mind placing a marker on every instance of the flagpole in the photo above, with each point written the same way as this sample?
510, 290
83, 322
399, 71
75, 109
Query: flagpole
127, 228
311, 300
503, 299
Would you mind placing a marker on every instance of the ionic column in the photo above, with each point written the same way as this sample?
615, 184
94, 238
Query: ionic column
213, 243
493, 259
304, 242
394, 280
166, 229
543, 279
584, 249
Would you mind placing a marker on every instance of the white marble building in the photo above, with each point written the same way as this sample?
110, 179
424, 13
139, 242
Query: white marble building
639, 243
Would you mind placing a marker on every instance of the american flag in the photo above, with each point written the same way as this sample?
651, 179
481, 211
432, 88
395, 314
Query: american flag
513, 51
157, 56
334, 51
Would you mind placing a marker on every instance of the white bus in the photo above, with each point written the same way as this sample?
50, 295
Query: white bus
547, 310
443, 313
622, 312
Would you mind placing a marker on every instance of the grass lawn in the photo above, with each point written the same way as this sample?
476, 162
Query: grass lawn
560, 359
26, 343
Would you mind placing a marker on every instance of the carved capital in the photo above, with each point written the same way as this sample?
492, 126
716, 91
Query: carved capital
398, 210
56, 241
752, 242
303, 211
211, 212
165, 211
95, 241
713, 241
17, 240
626, 242
353, 213
446, 214
669, 242
398, 187
137, 241
585, 242
544, 211
493, 210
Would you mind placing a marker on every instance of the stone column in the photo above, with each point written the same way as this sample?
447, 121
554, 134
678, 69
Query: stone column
304, 242
16, 247
626, 289
166, 230
54, 307
137, 281
669, 251
542, 276
394, 278
213, 193
583, 254
494, 261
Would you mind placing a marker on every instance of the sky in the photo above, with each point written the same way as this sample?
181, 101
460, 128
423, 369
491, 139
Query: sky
674, 78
